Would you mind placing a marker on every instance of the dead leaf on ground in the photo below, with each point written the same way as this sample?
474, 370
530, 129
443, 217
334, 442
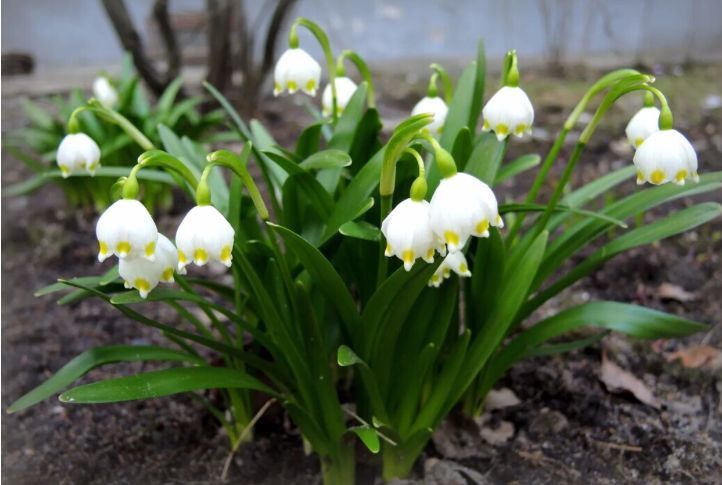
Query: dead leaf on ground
668, 291
500, 399
698, 356
498, 435
617, 379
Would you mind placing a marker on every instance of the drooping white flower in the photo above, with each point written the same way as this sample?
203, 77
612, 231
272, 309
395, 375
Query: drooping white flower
76, 152
295, 70
455, 262
463, 206
643, 123
508, 111
666, 156
105, 92
127, 230
204, 235
345, 89
436, 106
144, 275
408, 233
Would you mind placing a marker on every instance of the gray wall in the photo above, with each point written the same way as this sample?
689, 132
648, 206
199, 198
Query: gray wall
77, 33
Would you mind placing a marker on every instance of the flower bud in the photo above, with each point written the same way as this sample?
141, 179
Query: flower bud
463, 206
127, 230
643, 123
345, 89
437, 107
508, 111
104, 92
76, 152
204, 235
144, 275
666, 156
408, 233
295, 70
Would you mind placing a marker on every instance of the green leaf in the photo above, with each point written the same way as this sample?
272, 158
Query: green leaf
37, 115
517, 166
331, 158
463, 146
632, 320
346, 125
165, 102
485, 160
507, 208
347, 357
96, 357
167, 382
324, 275
368, 436
309, 141
361, 230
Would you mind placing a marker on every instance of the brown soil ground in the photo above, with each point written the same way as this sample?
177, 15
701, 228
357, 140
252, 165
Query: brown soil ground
567, 429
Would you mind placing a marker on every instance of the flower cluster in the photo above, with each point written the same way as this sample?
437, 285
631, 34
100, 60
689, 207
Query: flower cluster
462, 206
146, 257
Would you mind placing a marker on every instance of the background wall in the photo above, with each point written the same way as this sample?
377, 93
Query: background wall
77, 33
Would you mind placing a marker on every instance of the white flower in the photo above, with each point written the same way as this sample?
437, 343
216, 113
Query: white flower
463, 206
508, 111
77, 152
455, 262
408, 234
105, 92
643, 123
345, 88
437, 107
295, 70
144, 275
203, 235
127, 230
666, 156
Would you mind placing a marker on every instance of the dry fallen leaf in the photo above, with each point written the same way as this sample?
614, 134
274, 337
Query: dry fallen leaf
668, 291
617, 379
500, 399
698, 356
499, 435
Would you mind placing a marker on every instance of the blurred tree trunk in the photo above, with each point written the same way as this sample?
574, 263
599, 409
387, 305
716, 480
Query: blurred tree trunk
128, 36
220, 68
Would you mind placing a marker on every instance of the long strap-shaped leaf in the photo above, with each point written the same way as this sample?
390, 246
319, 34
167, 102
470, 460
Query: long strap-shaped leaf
633, 320
162, 383
96, 357
324, 276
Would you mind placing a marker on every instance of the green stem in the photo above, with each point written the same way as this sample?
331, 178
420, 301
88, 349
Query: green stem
363, 69
238, 164
339, 468
111, 116
603, 83
385, 208
322, 39
445, 81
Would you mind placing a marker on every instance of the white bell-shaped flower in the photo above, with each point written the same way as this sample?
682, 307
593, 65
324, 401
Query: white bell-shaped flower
345, 89
76, 152
127, 230
455, 262
204, 235
295, 70
105, 92
666, 156
408, 233
144, 275
508, 111
643, 123
436, 106
463, 206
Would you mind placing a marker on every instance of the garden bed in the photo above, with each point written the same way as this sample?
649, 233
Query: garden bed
567, 426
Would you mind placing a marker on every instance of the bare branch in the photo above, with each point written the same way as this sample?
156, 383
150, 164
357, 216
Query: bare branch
173, 54
219, 43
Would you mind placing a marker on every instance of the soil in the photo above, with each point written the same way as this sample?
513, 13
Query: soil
567, 427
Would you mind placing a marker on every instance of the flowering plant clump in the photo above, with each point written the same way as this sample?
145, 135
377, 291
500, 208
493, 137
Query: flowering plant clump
69, 155
392, 264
